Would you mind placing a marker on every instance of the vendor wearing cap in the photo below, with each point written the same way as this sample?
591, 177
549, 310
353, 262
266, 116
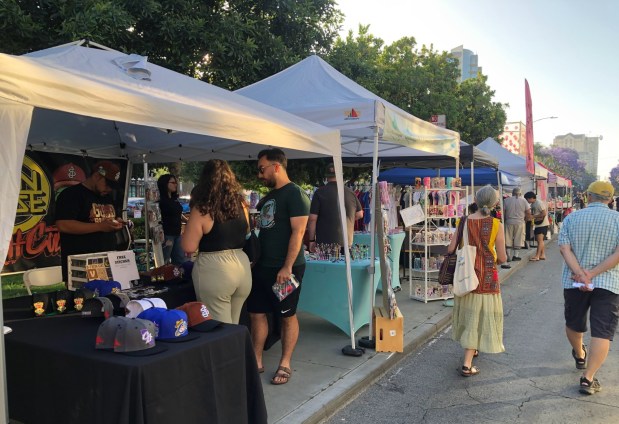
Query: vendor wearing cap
324, 223
85, 214
589, 244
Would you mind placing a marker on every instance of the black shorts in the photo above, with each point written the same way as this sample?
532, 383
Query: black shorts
541, 230
603, 307
262, 300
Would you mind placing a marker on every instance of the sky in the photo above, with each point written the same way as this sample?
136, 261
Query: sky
566, 49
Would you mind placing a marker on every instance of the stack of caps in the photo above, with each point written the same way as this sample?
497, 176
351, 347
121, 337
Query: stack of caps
170, 325
130, 336
136, 307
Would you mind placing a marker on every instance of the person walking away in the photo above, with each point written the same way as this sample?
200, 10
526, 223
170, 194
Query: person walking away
217, 227
478, 316
86, 216
539, 213
171, 219
589, 244
517, 212
324, 224
283, 219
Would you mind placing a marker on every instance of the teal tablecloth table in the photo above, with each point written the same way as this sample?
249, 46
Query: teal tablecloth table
395, 240
325, 293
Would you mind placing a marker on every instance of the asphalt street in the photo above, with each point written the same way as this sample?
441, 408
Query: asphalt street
534, 381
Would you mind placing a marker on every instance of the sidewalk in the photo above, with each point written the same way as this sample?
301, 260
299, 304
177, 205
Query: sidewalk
324, 379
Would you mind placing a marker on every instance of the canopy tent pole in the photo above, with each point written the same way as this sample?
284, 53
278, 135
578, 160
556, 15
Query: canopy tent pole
349, 350
369, 341
146, 223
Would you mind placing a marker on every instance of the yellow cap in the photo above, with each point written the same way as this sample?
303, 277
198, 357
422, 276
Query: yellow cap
601, 188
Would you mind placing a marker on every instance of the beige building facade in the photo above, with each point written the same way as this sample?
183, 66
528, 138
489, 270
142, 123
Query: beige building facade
587, 148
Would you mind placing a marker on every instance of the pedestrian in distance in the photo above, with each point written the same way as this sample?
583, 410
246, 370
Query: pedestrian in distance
517, 212
283, 219
325, 225
478, 316
539, 213
171, 219
217, 227
589, 244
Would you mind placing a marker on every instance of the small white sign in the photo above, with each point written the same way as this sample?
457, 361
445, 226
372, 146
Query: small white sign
412, 215
137, 213
124, 267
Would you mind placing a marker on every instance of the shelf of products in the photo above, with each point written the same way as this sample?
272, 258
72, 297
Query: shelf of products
429, 239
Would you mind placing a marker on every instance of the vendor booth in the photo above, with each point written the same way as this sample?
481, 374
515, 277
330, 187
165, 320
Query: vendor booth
103, 103
370, 126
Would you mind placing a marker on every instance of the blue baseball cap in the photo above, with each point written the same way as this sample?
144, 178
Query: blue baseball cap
103, 287
170, 325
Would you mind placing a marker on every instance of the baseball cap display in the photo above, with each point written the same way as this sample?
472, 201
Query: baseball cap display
601, 188
135, 307
135, 337
97, 307
170, 325
110, 171
199, 317
330, 170
103, 287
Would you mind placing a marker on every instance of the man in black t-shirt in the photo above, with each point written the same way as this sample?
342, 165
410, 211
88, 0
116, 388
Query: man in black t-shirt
324, 224
283, 219
85, 214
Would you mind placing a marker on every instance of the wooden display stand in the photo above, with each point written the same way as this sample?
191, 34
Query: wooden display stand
389, 334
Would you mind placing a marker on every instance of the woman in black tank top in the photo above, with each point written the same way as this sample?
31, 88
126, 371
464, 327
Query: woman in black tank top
217, 227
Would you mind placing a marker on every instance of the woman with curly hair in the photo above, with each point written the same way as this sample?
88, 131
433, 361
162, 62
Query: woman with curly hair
218, 224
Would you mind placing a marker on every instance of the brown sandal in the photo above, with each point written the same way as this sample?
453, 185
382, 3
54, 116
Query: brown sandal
282, 373
469, 371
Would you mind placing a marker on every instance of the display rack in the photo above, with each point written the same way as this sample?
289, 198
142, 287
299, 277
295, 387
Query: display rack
431, 239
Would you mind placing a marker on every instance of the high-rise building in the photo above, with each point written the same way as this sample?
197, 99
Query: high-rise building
587, 148
467, 63
514, 137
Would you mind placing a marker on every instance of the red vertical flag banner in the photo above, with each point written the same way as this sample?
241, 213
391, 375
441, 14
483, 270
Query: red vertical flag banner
530, 157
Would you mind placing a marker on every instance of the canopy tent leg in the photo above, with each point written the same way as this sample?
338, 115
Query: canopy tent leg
369, 341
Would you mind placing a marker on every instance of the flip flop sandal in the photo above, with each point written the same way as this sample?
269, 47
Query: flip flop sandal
261, 370
282, 373
581, 363
534, 259
469, 371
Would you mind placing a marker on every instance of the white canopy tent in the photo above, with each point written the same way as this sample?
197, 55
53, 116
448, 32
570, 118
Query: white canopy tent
512, 163
74, 99
370, 126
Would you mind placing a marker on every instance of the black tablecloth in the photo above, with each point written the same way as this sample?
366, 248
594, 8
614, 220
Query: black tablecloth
55, 375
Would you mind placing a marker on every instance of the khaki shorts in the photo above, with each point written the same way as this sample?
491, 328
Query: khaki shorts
514, 233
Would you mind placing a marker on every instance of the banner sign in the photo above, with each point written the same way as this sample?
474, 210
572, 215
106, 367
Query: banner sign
36, 241
530, 155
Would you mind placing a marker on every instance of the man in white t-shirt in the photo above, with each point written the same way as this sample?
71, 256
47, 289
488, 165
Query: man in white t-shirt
517, 212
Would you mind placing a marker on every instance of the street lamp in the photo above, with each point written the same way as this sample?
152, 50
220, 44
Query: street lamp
546, 117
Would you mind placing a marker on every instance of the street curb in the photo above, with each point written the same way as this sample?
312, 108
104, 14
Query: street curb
326, 403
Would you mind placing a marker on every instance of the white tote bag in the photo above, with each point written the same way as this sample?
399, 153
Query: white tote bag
465, 279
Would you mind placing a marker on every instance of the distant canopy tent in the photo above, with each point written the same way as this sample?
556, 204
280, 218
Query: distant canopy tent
512, 163
482, 176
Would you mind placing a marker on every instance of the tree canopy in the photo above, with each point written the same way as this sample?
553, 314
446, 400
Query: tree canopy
229, 43
566, 163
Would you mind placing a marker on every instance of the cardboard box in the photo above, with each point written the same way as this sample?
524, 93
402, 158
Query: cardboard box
389, 334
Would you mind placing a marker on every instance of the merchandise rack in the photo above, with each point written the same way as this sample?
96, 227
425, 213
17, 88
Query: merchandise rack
423, 280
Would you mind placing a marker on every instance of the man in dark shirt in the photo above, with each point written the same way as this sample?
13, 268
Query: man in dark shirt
85, 214
324, 224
